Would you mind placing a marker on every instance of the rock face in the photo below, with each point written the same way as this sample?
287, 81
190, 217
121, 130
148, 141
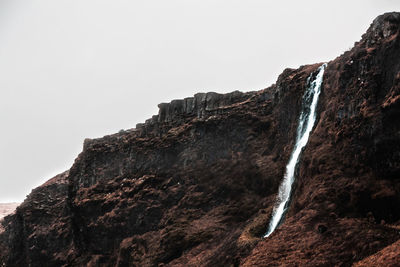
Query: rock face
195, 185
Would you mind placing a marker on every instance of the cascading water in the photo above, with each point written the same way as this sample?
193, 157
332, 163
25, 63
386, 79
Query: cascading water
306, 124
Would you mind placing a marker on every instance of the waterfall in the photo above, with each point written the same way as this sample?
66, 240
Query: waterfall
306, 124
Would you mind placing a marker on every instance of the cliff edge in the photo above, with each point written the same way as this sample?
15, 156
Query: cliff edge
196, 184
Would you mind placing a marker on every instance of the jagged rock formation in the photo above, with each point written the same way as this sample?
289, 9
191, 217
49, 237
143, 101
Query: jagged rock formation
349, 174
195, 185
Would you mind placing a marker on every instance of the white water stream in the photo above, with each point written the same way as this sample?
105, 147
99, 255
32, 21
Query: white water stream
306, 124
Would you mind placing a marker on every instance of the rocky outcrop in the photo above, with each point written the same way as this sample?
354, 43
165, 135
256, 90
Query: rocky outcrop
348, 179
40, 227
196, 184
200, 105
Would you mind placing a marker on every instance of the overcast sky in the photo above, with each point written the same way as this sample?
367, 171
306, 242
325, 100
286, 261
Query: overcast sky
71, 69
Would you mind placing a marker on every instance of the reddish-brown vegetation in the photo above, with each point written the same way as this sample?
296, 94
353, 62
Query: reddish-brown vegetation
195, 185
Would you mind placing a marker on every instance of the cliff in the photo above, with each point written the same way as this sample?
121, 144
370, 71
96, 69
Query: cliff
196, 184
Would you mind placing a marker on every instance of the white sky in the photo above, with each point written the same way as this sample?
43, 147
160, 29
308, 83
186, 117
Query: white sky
71, 69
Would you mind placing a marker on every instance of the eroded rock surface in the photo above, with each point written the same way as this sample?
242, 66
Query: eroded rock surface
195, 185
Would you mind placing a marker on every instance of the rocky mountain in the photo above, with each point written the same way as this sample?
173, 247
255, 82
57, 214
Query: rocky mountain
196, 184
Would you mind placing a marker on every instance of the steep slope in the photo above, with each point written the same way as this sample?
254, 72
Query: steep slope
389, 256
348, 185
179, 189
196, 184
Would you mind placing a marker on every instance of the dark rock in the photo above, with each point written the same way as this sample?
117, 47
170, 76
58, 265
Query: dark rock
201, 105
322, 228
195, 185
